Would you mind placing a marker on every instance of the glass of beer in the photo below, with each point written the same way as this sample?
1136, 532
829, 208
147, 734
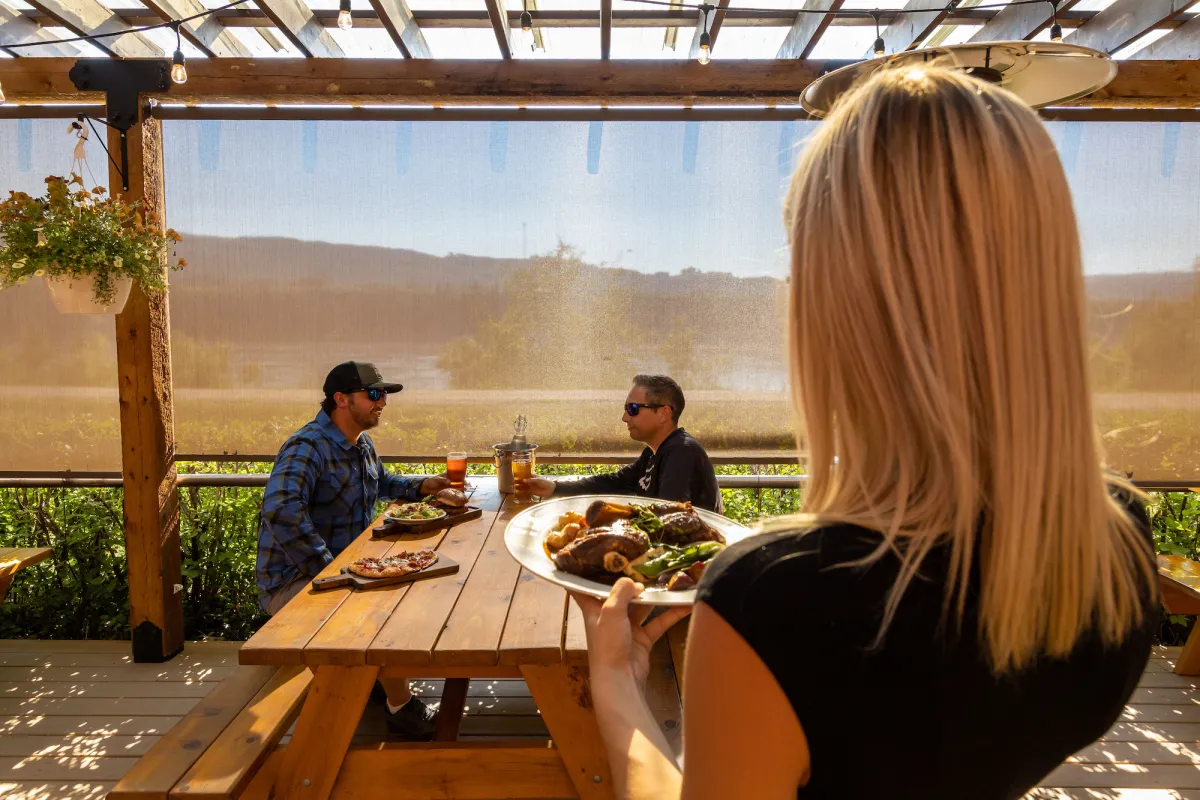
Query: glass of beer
456, 469
522, 468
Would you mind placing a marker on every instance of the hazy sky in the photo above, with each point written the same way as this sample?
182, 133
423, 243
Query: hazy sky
650, 196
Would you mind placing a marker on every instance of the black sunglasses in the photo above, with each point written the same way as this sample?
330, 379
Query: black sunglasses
375, 395
632, 409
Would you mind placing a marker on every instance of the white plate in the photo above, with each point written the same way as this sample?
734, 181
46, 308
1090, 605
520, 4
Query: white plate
414, 520
527, 530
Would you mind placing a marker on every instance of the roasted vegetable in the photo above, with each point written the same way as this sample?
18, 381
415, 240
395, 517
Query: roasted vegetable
645, 519
600, 513
557, 540
674, 558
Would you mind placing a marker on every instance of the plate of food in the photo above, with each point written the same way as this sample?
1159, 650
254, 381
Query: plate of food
415, 512
586, 543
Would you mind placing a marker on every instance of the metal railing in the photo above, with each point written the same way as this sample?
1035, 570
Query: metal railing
220, 480
214, 480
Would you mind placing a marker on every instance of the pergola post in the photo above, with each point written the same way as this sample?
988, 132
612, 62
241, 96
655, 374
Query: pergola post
147, 425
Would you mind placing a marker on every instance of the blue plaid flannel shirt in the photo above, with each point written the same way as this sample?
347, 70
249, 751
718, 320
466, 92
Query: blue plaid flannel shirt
321, 495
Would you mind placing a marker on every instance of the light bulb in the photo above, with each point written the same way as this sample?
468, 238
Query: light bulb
178, 70
705, 48
345, 21
880, 47
527, 22
1056, 32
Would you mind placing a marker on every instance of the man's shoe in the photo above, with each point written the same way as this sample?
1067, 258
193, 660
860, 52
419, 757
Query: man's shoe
414, 721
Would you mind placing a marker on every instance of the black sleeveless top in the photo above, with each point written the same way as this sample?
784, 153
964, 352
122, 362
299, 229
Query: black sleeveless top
922, 715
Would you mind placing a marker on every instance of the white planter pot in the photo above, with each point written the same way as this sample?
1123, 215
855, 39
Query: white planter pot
77, 296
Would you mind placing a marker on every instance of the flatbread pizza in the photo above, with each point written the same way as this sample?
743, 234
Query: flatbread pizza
393, 566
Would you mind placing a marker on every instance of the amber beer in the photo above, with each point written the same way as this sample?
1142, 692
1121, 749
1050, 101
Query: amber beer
456, 469
522, 468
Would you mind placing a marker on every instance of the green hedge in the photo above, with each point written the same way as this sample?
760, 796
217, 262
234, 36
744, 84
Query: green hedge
82, 592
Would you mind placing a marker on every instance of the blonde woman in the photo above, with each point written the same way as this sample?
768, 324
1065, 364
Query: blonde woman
968, 599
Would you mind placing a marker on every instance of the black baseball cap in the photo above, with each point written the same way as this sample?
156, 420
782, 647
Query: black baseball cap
356, 376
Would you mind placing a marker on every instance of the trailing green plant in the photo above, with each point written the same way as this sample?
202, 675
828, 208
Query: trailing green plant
75, 232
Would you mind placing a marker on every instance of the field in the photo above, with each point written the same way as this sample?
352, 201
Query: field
1153, 435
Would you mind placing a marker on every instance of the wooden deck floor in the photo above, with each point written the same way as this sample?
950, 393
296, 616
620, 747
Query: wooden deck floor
74, 716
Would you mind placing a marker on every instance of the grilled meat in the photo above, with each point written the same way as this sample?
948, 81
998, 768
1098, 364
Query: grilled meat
686, 527
586, 555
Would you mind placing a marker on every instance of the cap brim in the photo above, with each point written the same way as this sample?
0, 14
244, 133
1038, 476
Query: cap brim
390, 388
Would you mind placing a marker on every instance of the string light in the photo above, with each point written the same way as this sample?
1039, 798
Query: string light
880, 47
178, 70
1055, 29
705, 38
345, 21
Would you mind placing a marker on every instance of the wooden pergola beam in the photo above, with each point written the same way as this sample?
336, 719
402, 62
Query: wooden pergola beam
606, 26
15, 28
1123, 22
89, 17
1019, 22
406, 34
1139, 84
664, 17
296, 21
144, 389
207, 33
909, 28
1183, 43
808, 28
499, 17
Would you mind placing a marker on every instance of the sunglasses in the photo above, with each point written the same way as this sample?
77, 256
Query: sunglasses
375, 395
632, 409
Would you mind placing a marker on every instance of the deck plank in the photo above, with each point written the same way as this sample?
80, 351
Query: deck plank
44, 790
87, 725
106, 689
76, 745
124, 672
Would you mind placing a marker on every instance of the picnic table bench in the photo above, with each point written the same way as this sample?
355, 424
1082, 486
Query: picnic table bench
14, 559
319, 657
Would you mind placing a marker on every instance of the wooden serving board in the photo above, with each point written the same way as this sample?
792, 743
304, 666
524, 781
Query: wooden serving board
443, 566
454, 516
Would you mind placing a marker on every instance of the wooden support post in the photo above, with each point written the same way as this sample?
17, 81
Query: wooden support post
147, 425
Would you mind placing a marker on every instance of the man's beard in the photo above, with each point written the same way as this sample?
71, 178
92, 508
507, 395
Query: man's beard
365, 420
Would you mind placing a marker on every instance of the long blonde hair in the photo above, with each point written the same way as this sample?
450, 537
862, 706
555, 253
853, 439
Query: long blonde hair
939, 362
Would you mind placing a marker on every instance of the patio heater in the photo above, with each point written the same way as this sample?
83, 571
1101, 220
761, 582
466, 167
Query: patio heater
1040, 73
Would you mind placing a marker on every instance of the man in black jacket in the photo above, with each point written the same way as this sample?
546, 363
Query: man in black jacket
672, 467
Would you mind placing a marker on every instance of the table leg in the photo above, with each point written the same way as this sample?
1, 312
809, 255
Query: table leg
450, 709
1188, 662
564, 698
327, 722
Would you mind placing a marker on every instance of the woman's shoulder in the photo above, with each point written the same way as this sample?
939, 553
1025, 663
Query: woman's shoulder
795, 556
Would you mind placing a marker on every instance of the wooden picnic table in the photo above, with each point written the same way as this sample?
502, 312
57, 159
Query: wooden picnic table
14, 559
491, 620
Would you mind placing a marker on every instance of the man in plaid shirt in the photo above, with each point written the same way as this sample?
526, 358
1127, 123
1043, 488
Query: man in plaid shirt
321, 495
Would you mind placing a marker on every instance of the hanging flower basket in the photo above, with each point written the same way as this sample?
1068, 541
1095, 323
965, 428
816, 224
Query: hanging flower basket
78, 295
89, 247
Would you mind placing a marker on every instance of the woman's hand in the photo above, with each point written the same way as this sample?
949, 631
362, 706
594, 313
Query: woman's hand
619, 638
